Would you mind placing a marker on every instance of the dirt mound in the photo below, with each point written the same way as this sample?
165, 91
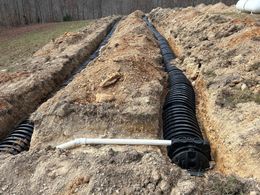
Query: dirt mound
117, 95
104, 170
218, 50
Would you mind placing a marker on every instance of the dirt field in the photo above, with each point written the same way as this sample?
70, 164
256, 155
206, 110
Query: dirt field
120, 95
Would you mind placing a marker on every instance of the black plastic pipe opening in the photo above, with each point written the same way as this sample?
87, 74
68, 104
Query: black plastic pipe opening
19, 140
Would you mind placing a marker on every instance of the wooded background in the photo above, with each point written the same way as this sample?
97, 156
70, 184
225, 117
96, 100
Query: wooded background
21, 12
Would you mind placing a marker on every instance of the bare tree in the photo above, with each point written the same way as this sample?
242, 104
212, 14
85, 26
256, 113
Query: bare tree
20, 12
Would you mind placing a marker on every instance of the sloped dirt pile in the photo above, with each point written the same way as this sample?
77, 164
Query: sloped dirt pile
23, 91
117, 95
219, 50
96, 170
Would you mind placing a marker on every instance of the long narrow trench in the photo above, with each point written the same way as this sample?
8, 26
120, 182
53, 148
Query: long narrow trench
19, 139
188, 150
94, 55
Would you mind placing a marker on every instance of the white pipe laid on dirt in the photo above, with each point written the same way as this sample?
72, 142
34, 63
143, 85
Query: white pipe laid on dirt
85, 141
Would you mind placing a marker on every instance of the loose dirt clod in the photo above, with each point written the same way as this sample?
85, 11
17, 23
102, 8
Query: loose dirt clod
110, 80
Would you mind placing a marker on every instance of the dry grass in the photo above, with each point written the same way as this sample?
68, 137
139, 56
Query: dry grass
19, 43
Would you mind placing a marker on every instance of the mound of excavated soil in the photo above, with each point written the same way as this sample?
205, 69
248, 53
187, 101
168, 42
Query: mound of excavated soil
117, 95
219, 49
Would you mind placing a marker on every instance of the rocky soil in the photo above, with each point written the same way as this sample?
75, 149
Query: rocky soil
120, 94
218, 48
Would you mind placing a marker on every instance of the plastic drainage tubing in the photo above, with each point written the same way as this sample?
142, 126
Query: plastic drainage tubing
188, 149
19, 140
85, 141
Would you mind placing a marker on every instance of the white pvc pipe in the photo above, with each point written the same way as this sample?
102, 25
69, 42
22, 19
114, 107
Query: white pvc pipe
85, 141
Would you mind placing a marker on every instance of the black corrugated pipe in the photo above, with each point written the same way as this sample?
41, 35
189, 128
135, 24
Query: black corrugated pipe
19, 140
188, 149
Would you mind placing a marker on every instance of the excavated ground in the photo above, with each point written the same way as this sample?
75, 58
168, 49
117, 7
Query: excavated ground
25, 89
219, 50
118, 95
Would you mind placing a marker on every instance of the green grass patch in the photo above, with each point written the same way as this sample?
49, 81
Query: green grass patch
16, 49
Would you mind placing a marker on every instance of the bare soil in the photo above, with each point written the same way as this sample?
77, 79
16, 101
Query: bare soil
115, 96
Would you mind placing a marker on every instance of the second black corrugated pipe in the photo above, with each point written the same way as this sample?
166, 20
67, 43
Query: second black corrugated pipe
188, 149
19, 140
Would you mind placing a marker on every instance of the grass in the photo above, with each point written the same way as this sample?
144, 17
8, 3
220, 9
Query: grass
18, 48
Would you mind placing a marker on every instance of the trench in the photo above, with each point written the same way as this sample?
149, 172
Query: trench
20, 137
189, 149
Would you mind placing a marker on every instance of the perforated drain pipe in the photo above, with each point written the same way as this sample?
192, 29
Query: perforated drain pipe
188, 149
19, 140
86, 141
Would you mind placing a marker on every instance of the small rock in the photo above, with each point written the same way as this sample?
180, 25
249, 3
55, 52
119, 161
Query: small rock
164, 185
4, 70
184, 187
155, 176
253, 193
238, 58
4, 188
102, 97
243, 87
195, 75
112, 79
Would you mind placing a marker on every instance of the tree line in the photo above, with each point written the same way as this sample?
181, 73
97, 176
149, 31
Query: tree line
22, 12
